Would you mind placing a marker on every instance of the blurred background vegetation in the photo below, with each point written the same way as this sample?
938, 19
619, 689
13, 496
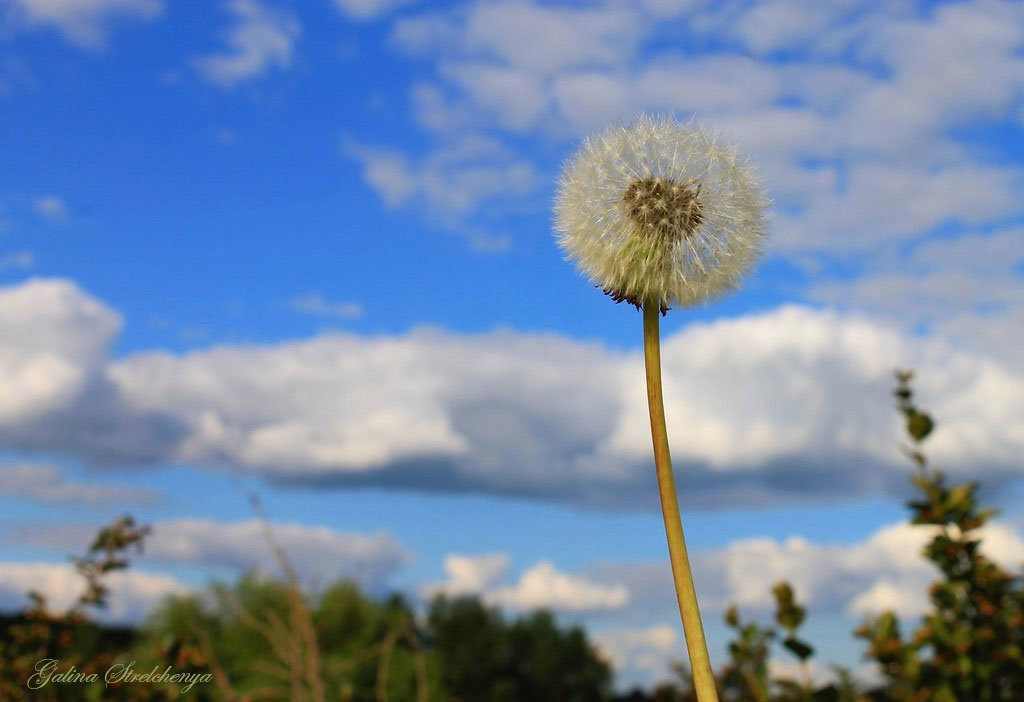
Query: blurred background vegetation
267, 639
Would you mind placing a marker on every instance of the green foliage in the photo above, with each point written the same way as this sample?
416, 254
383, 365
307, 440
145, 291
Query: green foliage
747, 675
969, 647
263, 639
482, 657
371, 651
790, 616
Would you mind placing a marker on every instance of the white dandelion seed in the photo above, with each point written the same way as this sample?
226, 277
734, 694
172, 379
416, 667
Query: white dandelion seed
660, 213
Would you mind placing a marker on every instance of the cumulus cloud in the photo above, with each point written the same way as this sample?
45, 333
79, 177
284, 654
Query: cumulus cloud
515, 97
542, 586
54, 351
883, 204
133, 593
82, 22
541, 39
580, 54
453, 179
54, 337
504, 62
885, 571
468, 575
319, 554
41, 482
787, 404
643, 652
779, 24
968, 289
262, 38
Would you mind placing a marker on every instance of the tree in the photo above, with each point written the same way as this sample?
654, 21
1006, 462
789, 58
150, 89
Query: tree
971, 645
483, 657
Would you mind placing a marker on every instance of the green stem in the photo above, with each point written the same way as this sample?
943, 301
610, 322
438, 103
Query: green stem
696, 646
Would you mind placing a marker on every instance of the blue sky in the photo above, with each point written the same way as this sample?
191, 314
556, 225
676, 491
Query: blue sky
309, 248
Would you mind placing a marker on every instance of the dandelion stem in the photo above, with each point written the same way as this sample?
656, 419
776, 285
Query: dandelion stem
696, 645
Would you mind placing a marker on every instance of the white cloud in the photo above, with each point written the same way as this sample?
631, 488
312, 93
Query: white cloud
938, 61
580, 66
368, 9
389, 174
434, 110
315, 304
643, 650
587, 99
827, 577
54, 351
779, 24
508, 61
541, 586
884, 205
133, 593
54, 337
884, 571
544, 586
51, 208
998, 335
468, 575
538, 38
41, 482
319, 554
515, 98
967, 289
802, 411
262, 39
453, 179
82, 22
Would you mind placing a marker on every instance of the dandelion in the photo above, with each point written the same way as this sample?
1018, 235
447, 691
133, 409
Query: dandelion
661, 215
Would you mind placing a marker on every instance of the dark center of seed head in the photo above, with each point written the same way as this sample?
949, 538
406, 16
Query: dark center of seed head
664, 207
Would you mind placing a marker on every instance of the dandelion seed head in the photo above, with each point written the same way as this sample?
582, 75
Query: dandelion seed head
660, 213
